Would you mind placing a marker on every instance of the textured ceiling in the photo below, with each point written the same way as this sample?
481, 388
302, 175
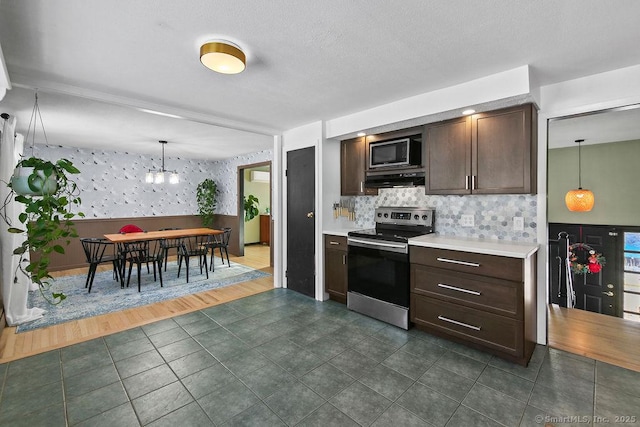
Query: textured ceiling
307, 60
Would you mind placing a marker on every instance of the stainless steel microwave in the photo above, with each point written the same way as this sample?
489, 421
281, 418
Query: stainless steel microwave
397, 153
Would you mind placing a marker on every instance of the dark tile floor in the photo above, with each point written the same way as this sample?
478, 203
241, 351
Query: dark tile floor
279, 358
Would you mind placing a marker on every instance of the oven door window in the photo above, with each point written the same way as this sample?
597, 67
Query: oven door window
379, 274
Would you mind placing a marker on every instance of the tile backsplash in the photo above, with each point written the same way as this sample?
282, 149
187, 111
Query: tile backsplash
493, 214
112, 183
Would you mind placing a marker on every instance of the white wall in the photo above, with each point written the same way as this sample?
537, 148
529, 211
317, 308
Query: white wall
502, 85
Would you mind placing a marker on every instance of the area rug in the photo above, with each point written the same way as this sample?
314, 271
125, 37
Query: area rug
106, 295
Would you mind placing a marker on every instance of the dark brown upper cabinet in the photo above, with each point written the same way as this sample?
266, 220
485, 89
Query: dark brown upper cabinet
352, 168
486, 153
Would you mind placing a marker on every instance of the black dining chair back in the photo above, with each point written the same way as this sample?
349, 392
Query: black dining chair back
98, 251
194, 246
220, 241
170, 244
144, 252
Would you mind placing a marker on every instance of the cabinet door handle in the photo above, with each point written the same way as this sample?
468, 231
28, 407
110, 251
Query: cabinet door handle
455, 322
344, 259
361, 186
331, 242
455, 288
466, 182
473, 182
455, 261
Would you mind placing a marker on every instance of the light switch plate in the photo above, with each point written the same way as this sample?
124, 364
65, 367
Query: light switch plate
518, 223
466, 220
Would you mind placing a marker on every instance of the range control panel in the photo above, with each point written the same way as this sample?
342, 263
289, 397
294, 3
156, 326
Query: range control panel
405, 216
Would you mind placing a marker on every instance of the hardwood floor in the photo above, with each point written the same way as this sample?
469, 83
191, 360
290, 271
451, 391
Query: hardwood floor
605, 338
16, 346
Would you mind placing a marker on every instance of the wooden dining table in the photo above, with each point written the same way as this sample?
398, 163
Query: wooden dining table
161, 234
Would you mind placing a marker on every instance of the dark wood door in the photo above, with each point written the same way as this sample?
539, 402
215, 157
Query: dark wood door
597, 292
503, 151
300, 220
265, 229
448, 157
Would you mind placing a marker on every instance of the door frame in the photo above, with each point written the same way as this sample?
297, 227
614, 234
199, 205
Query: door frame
240, 205
615, 89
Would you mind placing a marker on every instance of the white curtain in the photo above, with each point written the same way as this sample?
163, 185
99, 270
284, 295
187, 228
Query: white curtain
15, 286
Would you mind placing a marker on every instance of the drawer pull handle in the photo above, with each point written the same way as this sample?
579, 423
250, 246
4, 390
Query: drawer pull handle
455, 322
454, 288
455, 261
331, 242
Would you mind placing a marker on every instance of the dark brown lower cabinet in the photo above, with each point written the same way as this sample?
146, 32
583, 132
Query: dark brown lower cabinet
335, 267
484, 301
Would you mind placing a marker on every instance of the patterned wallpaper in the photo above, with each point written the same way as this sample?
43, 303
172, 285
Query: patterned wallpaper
112, 183
493, 215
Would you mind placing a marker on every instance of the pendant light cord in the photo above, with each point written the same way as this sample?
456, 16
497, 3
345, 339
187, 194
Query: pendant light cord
579, 141
163, 144
34, 120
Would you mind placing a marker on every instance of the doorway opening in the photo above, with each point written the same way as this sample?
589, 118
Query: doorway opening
602, 261
254, 208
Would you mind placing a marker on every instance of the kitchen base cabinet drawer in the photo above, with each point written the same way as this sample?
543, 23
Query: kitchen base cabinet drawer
484, 293
486, 329
335, 242
469, 262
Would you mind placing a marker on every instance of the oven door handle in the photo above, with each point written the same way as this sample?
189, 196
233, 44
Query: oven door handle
377, 244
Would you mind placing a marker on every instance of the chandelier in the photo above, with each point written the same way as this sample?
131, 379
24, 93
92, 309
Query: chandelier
158, 176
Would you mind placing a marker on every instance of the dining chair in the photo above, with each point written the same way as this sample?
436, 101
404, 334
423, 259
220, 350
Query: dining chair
194, 246
170, 244
94, 250
126, 229
147, 251
130, 228
220, 241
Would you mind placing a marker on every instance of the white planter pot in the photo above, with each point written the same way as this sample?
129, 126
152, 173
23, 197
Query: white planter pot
41, 186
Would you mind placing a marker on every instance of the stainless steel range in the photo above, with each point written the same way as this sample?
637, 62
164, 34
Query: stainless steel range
378, 263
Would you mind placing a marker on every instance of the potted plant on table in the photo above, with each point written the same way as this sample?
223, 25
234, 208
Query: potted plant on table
206, 199
49, 196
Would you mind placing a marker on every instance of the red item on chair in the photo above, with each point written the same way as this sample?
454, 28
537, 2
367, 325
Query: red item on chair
130, 228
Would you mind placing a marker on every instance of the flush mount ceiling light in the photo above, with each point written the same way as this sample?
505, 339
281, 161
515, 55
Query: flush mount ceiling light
223, 57
157, 176
579, 200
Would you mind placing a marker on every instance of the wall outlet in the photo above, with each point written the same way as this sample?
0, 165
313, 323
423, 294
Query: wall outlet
466, 220
518, 223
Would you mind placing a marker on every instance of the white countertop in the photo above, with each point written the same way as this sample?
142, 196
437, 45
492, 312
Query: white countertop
488, 247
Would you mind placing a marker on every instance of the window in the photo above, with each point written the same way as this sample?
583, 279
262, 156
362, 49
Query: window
632, 276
